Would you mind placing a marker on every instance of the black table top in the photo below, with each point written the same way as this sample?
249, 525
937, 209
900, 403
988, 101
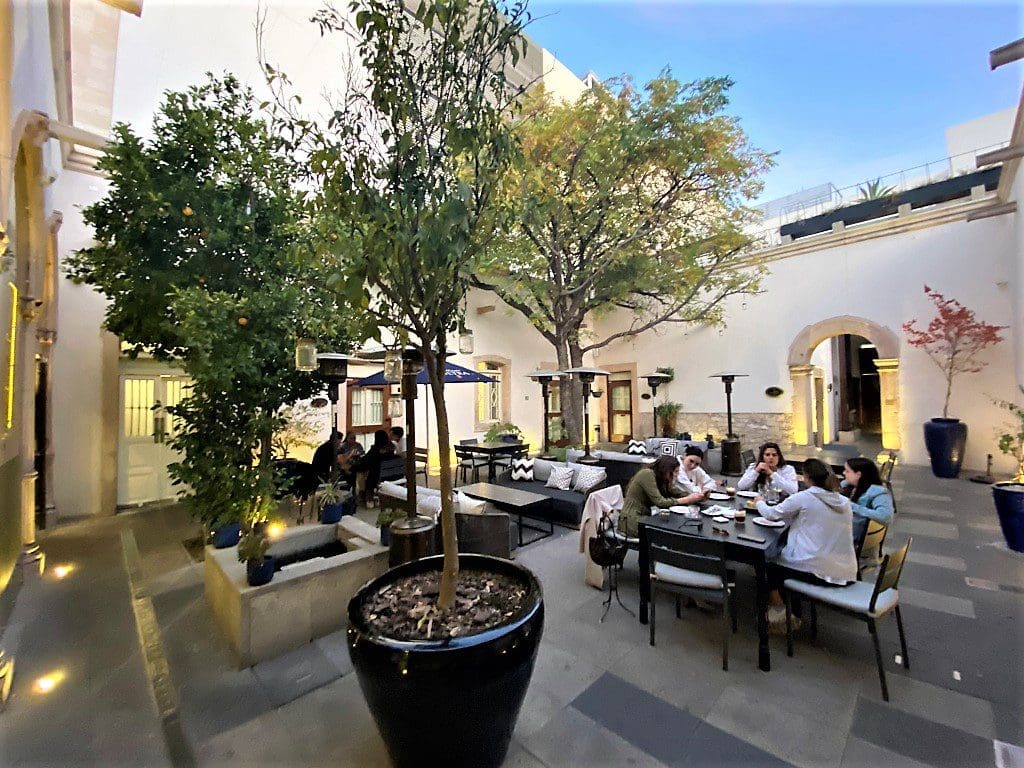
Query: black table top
495, 446
670, 521
499, 494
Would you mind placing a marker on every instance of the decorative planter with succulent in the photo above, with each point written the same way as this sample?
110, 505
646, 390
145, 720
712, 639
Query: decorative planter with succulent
506, 431
252, 550
953, 339
332, 497
667, 414
1009, 495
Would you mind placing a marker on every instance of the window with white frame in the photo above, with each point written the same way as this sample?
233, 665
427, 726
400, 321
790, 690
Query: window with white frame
491, 396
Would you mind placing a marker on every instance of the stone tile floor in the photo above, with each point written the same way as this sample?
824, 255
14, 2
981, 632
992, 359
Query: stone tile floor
600, 696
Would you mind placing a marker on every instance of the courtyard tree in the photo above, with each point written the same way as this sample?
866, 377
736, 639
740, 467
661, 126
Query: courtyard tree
628, 200
409, 160
203, 249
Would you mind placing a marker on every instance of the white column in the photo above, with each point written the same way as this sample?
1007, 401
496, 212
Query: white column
889, 386
803, 403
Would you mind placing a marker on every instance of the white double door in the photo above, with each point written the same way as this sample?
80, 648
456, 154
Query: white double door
146, 428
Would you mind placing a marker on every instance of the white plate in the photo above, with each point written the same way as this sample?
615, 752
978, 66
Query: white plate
720, 519
747, 494
679, 509
712, 511
719, 496
768, 523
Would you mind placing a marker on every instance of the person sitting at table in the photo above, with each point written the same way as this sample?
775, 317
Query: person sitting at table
325, 455
348, 454
397, 435
819, 544
370, 463
769, 470
651, 487
691, 477
868, 497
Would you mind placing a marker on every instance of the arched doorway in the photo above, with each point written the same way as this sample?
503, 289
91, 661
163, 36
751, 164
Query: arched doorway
801, 372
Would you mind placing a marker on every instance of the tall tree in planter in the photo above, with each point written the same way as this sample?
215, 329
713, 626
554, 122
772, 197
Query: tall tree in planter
628, 199
411, 157
202, 248
953, 339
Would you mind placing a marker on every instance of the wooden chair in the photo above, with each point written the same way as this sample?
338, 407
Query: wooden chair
422, 456
747, 458
885, 473
687, 566
862, 600
869, 544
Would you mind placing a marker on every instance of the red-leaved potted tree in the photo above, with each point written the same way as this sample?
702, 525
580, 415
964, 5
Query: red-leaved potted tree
953, 339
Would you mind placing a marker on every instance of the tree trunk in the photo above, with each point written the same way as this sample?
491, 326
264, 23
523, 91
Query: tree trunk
949, 390
576, 401
450, 571
266, 465
572, 409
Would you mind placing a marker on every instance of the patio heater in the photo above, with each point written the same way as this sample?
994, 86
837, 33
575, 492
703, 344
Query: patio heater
545, 378
586, 377
731, 464
655, 380
332, 370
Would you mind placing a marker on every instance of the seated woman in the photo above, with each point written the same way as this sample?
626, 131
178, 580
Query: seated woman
381, 449
692, 478
770, 469
869, 499
651, 487
819, 546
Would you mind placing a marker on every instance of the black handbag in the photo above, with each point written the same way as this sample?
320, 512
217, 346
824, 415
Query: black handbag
605, 549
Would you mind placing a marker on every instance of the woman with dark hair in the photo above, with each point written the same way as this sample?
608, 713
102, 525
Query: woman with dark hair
650, 487
691, 477
869, 499
381, 449
819, 544
770, 470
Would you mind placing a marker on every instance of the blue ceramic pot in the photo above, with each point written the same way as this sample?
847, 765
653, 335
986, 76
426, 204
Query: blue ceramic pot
227, 535
418, 690
259, 573
331, 513
945, 440
1009, 498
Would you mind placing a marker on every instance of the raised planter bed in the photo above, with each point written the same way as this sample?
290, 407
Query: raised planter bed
304, 601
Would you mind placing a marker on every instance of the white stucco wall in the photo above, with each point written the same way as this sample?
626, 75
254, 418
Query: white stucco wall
880, 280
964, 138
559, 79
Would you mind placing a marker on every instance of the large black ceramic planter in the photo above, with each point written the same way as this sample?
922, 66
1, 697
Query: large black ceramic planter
945, 440
453, 702
1009, 498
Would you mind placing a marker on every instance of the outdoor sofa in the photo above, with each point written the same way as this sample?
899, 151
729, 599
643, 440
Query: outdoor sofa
566, 506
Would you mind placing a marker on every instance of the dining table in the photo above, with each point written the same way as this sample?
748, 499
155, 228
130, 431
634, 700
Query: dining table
739, 550
494, 448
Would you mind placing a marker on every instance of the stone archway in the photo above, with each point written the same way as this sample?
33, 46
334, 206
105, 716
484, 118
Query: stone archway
888, 365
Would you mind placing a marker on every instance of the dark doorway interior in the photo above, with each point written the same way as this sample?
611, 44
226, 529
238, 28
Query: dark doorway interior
39, 429
860, 401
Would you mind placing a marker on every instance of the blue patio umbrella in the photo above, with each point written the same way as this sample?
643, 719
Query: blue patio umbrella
453, 374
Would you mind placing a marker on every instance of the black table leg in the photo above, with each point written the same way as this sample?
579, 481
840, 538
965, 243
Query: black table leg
645, 574
764, 658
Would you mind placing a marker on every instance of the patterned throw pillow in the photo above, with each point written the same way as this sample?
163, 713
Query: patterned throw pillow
522, 469
668, 448
560, 478
585, 478
637, 448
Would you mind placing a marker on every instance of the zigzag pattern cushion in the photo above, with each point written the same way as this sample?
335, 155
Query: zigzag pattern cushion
560, 478
668, 448
522, 469
585, 478
637, 448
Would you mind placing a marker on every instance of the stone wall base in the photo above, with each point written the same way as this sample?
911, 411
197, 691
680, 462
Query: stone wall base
752, 428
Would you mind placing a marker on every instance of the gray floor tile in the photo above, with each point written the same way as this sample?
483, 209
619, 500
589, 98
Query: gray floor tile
907, 511
572, 740
864, 754
920, 527
938, 561
927, 496
711, 747
295, 673
335, 648
955, 606
937, 704
919, 738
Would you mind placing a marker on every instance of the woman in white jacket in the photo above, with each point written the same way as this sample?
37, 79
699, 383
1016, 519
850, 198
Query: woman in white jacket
770, 469
819, 544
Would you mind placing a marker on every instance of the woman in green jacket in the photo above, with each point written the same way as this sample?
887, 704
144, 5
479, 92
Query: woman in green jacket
649, 488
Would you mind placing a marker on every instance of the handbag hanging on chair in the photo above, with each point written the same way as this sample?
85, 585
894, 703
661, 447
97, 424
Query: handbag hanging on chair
606, 550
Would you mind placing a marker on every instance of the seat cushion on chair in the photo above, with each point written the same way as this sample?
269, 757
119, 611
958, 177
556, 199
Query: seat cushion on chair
855, 597
684, 577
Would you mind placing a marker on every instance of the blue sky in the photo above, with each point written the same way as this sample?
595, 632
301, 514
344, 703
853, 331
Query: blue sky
842, 92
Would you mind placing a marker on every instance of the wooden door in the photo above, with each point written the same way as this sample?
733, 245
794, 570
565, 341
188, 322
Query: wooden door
620, 410
145, 429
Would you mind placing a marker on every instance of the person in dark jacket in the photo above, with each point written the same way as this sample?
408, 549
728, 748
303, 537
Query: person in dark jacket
325, 456
381, 449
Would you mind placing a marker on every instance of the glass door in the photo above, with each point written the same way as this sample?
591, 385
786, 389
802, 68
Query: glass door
620, 410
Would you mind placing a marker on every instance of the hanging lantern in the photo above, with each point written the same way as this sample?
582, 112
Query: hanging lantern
394, 408
393, 365
305, 355
465, 340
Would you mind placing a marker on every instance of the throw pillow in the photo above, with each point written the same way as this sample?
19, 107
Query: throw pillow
428, 506
542, 469
585, 478
637, 448
522, 469
470, 506
560, 478
668, 448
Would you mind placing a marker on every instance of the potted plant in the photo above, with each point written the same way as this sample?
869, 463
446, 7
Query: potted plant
667, 413
443, 647
953, 340
252, 550
225, 532
386, 515
504, 431
1009, 495
331, 496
